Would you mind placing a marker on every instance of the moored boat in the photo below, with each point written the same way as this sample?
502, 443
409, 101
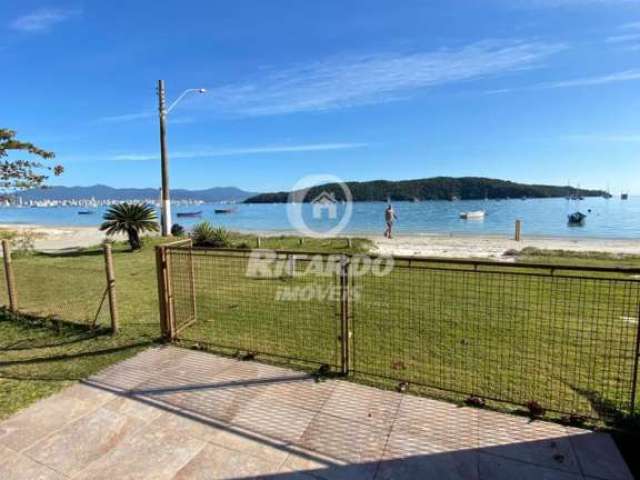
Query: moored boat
86, 212
472, 215
577, 218
189, 214
224, 210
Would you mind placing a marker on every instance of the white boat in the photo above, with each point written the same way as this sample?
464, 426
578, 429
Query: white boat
472, 215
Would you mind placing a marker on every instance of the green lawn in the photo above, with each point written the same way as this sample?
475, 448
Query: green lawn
38, 359
564, 343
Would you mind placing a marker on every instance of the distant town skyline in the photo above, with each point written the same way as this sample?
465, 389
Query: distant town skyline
535, 91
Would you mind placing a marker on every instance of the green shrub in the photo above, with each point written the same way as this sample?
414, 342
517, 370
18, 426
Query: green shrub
206, 235
177, 230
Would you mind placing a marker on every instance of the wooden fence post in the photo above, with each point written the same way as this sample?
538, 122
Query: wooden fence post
517, 235
345, 329
164, 300
8, 272
162, 291
111, 288
193, 281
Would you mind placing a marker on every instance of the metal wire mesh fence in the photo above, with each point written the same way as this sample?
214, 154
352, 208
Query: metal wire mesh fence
70, 291
564, 338
260, 306
77, 287
566, 342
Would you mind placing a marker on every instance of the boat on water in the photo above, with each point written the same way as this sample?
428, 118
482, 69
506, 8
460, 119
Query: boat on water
576, 218
86, 212
224, 210
189, 214
476, 214
624, 196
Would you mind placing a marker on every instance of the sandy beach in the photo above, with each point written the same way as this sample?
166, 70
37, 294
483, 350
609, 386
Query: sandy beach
432, 245
494, 247
48, 238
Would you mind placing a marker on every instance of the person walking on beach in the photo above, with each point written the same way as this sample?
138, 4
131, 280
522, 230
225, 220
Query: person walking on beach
389, 218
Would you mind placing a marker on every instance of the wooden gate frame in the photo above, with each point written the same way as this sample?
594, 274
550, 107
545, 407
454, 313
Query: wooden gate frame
165, 292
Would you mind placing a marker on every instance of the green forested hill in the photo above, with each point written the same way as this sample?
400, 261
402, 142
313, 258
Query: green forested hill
437, 188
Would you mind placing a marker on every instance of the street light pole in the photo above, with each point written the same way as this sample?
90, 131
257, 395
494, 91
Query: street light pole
165, 216
165, 207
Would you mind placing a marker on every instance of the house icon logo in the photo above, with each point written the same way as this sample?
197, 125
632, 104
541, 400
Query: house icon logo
328, 220
324, 205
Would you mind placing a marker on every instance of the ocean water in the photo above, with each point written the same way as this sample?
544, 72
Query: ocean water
613, 218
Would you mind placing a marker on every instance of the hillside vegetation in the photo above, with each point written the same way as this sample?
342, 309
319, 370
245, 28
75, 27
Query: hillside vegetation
438, 188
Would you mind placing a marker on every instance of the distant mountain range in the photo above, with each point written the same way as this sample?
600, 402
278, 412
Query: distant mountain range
104, 192
437, 188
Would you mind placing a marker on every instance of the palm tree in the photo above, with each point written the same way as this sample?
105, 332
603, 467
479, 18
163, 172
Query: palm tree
132, 219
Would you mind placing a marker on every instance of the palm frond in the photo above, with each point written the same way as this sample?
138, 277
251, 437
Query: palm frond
124, 217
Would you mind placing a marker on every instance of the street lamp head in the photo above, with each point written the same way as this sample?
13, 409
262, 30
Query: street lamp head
202, 90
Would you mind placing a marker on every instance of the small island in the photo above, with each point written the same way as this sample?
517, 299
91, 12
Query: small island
436, 188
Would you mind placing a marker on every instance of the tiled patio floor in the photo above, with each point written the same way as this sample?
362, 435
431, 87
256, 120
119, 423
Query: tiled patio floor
171, 413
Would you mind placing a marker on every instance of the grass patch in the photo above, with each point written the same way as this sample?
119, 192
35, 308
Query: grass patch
6, 234
39, 357
593, 259
296, 243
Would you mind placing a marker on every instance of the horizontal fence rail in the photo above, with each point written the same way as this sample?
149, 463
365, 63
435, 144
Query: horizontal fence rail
563, 337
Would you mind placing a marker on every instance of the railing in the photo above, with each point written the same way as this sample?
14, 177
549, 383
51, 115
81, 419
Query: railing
562, 337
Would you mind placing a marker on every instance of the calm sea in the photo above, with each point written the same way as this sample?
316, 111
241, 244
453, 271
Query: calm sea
613, 218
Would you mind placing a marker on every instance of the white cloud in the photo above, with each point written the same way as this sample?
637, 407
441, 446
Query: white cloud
42, 20
631, 26
611, 137
234, 151
127, 117
625, 76
348, 81
571, 3
629, 37
617, 77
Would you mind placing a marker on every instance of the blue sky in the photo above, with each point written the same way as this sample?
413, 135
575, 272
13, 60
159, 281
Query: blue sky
541, 91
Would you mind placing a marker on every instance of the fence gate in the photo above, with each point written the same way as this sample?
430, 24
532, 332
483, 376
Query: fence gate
276, 304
